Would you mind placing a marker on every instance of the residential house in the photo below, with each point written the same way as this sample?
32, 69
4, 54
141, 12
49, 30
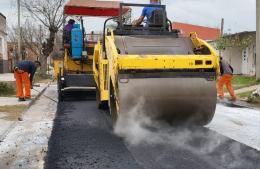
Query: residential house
241, 53
203, 32
242, 58
3, 45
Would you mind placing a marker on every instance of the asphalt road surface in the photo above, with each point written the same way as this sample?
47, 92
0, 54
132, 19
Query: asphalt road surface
83, 137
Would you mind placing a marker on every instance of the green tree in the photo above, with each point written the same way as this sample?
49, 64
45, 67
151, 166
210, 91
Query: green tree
236, 40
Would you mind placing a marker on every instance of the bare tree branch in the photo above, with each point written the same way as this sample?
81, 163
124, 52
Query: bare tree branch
31, 36
50, 14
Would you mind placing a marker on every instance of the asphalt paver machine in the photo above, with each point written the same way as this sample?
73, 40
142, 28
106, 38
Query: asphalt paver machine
75, 70
152, 70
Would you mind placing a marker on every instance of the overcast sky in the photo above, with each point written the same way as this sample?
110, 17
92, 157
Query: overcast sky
239, 14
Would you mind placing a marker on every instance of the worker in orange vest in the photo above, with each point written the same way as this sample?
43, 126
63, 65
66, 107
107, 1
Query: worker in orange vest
24, 72
225, 79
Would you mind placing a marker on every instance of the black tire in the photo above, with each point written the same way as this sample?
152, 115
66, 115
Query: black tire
59, 85
103, 105
112, 104
60, 97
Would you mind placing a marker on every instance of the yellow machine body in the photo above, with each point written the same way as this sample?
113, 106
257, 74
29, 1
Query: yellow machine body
107, 67
77, 66
74, 74
57, 64
102, 72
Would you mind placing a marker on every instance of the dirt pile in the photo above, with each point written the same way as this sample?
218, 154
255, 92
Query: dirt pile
254, 97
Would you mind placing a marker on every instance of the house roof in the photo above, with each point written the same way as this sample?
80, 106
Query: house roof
92, 8
242, 34
203, 32
2, 15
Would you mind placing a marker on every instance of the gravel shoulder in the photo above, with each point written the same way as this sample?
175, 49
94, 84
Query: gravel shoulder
26, 144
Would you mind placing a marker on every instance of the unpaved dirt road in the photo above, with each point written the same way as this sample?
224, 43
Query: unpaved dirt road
83, 137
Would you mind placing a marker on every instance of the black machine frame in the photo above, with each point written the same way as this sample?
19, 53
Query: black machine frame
127, 30
122, 5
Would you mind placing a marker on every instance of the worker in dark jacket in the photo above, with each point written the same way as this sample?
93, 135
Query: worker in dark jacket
67, 31
24, 72
225, 79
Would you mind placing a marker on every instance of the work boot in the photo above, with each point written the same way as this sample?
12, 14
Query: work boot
221, 98
28, 98
234, 99
21, 99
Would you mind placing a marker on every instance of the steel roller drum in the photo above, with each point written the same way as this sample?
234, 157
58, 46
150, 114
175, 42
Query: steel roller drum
175, 100
168, 96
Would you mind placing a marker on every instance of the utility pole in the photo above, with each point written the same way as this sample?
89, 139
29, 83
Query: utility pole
221, 33
258, 39
222, 27
19, 29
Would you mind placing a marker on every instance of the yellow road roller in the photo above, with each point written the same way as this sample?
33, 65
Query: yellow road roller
155, 72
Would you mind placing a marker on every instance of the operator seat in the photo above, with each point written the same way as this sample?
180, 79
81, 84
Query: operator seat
156, 20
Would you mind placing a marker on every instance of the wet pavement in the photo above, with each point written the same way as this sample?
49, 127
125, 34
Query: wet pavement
83, 137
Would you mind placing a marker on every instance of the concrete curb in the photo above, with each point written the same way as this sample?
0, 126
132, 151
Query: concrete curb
238, 104
249, 105
12, 126
36, 97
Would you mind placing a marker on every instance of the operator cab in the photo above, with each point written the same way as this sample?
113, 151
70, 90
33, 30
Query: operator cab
156, 32
157, 18
157, 24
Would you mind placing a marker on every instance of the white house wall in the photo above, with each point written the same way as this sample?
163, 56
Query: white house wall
3, 38
4, 47
234, 57
251, 62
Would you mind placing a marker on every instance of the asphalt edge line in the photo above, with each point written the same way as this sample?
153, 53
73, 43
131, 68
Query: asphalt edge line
14, 124
239, 104
36, 98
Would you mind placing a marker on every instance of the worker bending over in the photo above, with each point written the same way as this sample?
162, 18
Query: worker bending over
24, 72
225, 79
147, 12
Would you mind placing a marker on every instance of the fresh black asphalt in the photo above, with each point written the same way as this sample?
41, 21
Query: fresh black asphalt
82, 137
